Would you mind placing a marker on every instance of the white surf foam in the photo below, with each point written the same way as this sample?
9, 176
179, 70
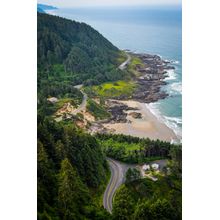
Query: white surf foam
173, 123
176, 88
171, 75
175, 61
174, 119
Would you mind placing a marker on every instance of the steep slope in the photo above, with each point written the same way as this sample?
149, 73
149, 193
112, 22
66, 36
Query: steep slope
81, 52
70, 167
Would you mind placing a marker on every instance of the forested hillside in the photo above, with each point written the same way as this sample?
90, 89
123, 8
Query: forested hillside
72, 167
74, 51
145, 199
71, 53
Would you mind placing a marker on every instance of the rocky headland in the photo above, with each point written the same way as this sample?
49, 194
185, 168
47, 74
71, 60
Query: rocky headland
129, 115
150, 78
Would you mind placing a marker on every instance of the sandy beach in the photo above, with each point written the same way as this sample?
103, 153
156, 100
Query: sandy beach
147, 126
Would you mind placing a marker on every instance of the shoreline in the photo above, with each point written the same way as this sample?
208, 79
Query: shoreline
153, 74
163, 119
134, 115
148, 126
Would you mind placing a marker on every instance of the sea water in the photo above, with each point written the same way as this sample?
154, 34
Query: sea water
144, 30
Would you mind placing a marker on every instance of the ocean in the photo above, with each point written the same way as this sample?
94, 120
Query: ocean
154, 30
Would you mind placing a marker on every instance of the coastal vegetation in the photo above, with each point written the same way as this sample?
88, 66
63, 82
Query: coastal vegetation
71, 53
131, 149
77, 51
122, 57
62, 91
97, 110
132, 67
72, 167
143, 198
112, 89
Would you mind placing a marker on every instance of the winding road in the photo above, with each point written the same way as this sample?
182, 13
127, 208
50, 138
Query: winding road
82, 106
125, 63
118, 171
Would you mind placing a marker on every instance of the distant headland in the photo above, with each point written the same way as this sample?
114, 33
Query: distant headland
43, 8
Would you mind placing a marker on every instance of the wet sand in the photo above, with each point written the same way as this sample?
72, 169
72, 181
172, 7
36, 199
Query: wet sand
148, 126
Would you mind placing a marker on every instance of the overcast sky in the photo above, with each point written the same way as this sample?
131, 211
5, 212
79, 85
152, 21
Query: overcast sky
72, 3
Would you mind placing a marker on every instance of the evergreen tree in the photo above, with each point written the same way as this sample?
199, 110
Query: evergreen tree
73, 195
123, 206
132, 174
162, 210
142, 211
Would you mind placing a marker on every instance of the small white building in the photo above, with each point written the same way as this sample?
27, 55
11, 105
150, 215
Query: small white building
146, 167
155, 166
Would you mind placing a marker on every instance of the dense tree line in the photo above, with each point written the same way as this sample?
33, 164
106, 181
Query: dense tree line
70, 164
135, 150
84, 55
71, 53
144, 199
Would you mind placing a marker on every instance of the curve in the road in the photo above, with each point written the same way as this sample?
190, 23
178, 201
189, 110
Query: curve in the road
125, 63
82, 106
118, 171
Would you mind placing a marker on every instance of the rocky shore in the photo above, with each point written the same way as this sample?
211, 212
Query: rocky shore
118, 111
129, 115
149, 78
139, 122
153, 72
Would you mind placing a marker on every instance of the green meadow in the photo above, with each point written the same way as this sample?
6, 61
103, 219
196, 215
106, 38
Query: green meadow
115, 89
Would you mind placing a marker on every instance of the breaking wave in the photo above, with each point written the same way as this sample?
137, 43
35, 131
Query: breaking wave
171, 75
176, 88
174, 123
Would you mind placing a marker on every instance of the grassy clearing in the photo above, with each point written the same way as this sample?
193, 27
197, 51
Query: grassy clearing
114, 89
133, 64
136, 61
98, 111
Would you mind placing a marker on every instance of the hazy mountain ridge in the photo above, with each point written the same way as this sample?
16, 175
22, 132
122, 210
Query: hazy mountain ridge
41, 8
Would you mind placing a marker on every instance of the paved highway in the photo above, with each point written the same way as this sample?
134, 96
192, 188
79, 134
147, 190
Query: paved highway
118, 171
124, 64
82, 106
